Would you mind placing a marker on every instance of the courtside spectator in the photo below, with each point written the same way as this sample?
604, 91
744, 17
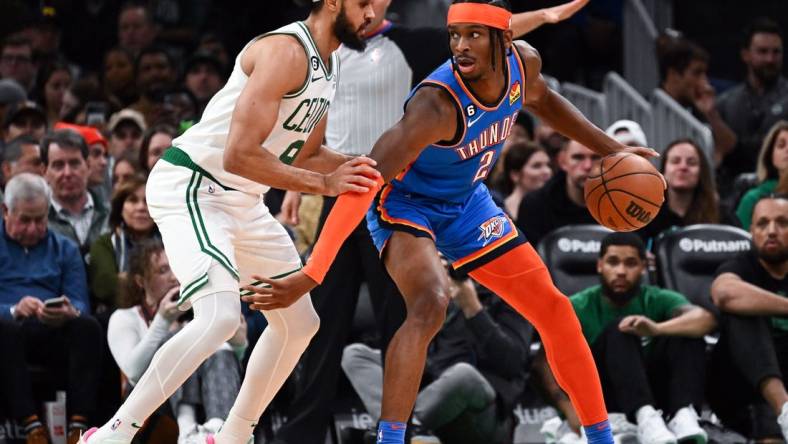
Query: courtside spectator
476, 370
560, 201
149, 316
136, 29
647, 344
526, 168
772, 164
98, 160
155, 73
45, 288
750, 361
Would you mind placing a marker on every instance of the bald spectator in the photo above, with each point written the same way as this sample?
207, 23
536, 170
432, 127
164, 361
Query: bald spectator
560, 201
753, 106
16, 61
136, 29
750, 363
25, 118
21, 155
74, 212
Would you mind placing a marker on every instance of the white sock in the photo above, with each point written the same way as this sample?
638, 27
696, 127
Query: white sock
121, 428
186, 419
273, 359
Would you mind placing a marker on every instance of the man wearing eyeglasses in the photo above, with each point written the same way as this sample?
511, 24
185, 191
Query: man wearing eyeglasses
16, 61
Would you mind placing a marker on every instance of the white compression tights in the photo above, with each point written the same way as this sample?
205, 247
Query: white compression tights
273, 359
216, 318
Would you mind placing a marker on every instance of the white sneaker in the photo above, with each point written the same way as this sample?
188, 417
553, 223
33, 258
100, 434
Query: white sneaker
685, 426
652, 428
195, 435
549, 430
783, 421
623, 430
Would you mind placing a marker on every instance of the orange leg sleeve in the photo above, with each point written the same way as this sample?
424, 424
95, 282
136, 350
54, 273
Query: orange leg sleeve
522, 280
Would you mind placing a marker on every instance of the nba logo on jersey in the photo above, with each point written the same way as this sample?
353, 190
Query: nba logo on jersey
492, 229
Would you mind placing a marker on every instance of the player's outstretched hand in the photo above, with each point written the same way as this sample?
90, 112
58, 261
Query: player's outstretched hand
563, 12
357, 175
278, 293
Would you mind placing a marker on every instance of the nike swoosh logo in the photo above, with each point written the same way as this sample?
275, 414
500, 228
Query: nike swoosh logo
134, 424
315, 79
472, 122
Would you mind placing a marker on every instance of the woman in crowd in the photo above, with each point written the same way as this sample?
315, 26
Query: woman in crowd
148, 316
155, 141
691, 196
130, 224
125, 168
772, 163
526, 167
51, 85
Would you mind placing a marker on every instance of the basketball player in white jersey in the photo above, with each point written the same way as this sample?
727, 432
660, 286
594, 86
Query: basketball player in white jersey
263, 129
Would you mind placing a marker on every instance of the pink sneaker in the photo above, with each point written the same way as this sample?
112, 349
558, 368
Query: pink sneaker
84, 438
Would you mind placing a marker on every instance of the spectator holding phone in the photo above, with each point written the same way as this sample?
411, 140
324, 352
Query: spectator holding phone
45, 291
148, 316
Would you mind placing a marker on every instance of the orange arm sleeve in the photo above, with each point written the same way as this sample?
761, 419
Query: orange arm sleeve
348, 211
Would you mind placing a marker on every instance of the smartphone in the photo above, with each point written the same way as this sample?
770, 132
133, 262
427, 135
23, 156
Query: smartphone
55, 302
96, 113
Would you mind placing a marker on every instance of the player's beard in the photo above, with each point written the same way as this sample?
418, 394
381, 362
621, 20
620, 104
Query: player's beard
345, 33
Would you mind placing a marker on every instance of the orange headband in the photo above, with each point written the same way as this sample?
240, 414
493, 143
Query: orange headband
481, 14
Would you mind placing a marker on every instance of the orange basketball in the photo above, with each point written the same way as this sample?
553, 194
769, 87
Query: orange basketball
625, 192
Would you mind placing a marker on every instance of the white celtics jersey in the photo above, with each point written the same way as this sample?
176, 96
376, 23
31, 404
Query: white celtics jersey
299, 113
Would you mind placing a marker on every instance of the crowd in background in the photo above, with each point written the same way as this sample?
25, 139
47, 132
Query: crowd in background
88, 296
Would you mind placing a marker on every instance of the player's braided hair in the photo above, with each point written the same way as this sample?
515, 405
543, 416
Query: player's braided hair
497, 42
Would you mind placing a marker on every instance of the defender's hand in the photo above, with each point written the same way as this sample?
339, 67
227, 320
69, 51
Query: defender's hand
278, 293
356, 175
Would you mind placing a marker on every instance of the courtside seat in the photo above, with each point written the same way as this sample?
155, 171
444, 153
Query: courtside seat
571, 253
688, 258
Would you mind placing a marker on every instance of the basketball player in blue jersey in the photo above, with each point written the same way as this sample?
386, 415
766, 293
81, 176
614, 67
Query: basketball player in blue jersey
435, 160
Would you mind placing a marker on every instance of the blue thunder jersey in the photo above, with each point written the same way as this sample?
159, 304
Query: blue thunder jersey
452, 172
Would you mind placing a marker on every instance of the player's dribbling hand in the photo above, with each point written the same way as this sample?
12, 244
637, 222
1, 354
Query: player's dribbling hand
640, 151
278, 293
357, 175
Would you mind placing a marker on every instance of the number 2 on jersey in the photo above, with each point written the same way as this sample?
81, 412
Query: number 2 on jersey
484, 166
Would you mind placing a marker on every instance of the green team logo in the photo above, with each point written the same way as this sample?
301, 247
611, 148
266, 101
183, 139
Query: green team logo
291, 152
